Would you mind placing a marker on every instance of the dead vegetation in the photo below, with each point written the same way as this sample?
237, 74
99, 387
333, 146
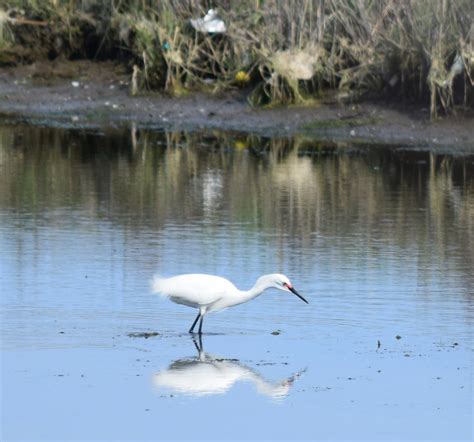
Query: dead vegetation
284, 52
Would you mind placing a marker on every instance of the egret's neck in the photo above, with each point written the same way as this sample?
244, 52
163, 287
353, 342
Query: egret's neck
256, 290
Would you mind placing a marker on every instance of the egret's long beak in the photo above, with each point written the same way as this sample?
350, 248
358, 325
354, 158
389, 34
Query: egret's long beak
292, 290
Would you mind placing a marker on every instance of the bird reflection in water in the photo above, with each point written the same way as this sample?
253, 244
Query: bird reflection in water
209, 375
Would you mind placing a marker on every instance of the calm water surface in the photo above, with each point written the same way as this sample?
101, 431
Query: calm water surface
380, 241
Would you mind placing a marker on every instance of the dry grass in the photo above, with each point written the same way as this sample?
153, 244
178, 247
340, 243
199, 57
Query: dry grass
292, 51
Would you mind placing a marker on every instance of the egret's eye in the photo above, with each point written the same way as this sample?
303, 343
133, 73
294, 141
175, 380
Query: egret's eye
284, 284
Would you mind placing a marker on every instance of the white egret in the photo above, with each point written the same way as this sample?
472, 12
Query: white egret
210, 293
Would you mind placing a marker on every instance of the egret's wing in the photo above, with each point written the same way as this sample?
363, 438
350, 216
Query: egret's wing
195, 289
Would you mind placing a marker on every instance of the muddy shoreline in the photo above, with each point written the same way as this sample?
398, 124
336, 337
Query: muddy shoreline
86, 94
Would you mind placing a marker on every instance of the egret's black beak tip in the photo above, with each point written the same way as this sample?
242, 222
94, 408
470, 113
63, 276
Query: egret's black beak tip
292, 290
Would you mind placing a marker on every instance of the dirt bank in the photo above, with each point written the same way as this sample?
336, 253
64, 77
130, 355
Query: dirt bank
92, 94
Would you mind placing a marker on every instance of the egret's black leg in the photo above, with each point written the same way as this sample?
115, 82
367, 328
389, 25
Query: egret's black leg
200, 325
195, 322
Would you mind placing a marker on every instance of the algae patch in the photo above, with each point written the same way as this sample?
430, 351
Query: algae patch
145, 335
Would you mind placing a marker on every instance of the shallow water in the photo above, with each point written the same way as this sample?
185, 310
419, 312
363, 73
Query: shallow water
380, 241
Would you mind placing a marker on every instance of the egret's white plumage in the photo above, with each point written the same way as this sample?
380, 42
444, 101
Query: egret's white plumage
210, 293
194, 290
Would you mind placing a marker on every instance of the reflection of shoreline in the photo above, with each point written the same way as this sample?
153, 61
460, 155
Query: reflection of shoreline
209, 375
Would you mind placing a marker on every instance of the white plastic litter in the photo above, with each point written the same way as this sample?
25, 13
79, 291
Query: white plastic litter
209, 24
297, 64
456, 69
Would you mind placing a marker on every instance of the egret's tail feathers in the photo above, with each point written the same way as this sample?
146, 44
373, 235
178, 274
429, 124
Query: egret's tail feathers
158, 285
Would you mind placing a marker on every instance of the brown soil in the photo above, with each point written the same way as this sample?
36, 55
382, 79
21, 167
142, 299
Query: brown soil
93, 94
